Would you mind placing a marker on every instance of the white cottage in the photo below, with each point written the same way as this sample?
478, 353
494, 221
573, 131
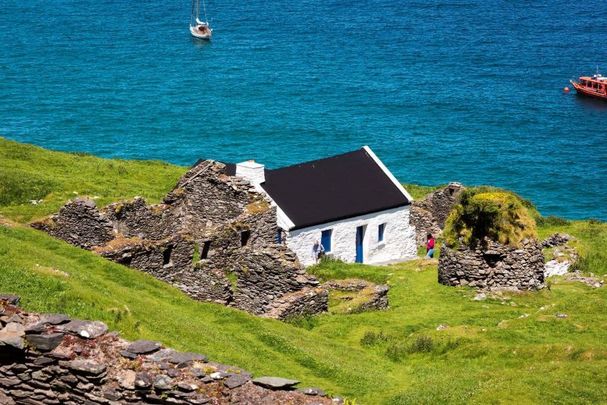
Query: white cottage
351, 203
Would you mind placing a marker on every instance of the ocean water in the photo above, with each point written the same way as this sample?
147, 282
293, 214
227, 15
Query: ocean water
462, 90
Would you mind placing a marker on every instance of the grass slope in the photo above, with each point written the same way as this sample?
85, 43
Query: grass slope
31, 173
53, 276
502, 350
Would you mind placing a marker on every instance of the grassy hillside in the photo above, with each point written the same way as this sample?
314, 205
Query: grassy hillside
501, 350
29, 173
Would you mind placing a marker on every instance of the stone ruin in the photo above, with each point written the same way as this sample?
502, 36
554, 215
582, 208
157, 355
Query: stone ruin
50, 359
376, 294
491, 265
429, 215
213, 236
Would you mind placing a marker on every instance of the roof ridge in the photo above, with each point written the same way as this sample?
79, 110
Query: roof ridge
319, 160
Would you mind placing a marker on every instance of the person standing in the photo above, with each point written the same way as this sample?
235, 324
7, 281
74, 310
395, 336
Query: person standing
430, 246
317, 251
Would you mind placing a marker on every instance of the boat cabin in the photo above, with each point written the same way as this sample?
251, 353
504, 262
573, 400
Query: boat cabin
597, 83
595, 86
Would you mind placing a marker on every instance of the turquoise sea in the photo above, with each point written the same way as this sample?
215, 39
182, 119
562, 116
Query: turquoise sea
464, 90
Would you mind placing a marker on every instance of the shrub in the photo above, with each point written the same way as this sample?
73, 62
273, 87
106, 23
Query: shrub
421, 344
372, 338
396, 351
307, 322
484, 213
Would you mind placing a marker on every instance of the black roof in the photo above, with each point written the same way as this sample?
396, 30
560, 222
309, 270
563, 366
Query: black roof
331, 189
230, 169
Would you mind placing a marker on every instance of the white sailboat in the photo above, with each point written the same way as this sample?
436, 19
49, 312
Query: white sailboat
200, 29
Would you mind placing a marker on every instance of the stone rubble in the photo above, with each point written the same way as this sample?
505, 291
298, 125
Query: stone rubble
557, 239
213, 236
54, 364
564, 256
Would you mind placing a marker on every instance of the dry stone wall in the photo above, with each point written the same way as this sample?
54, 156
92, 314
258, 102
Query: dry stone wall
214, 237
493, 266
429, 215
262, 281
79, 223
50, 359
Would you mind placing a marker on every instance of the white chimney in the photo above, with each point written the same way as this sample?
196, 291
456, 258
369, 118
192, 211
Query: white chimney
252, 171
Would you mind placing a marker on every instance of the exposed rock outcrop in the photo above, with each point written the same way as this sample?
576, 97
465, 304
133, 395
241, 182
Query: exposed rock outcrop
213, 237
50, 359
492, 266
429, 215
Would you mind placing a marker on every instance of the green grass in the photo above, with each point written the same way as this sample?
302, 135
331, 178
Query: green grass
512, 349
31, 173
418, 191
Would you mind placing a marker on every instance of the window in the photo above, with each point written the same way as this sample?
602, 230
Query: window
166, 255
380, 232
244, 237
325, 239
205, 250
278, 238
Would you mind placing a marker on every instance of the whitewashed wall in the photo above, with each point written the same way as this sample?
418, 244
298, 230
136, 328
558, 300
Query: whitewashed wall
398, 243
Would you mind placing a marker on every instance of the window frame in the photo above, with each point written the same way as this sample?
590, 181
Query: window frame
381, 233
330, 238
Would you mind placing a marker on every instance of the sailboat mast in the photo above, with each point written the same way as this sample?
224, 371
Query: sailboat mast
204, 8
192, 14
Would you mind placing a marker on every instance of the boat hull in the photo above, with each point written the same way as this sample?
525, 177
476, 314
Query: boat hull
588, 92
196, 33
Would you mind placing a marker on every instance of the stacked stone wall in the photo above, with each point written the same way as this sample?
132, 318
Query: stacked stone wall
493, 266
429, 215
137, 219
259, 281
53, 360
79, 223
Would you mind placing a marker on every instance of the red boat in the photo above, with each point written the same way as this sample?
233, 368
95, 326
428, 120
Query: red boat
595, 86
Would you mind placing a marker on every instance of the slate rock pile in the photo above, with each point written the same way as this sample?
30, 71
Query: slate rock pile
50, 359
556, 239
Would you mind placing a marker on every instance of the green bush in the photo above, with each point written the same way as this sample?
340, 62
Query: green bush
396, 351
421, 344
372, 339
489, 213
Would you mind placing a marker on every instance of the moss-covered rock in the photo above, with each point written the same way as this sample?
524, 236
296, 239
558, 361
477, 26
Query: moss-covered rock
494, 214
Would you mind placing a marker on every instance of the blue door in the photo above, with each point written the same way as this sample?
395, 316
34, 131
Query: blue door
360, 235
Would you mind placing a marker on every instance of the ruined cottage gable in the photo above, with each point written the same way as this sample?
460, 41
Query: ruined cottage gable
205, 195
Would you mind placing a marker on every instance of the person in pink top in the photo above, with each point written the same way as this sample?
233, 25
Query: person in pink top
430, 246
